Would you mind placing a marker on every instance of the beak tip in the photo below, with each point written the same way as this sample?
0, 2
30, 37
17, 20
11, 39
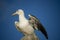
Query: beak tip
12, 14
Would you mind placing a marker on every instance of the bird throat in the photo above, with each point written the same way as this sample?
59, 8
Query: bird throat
23, 21
22, 18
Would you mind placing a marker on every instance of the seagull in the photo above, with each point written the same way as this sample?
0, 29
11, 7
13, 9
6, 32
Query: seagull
28, 26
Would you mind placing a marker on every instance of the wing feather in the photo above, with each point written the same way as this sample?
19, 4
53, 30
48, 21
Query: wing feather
17, 26
37, 25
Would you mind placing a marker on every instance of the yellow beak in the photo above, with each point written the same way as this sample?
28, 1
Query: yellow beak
14, 14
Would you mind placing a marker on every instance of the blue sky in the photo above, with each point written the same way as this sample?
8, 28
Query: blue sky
47, 11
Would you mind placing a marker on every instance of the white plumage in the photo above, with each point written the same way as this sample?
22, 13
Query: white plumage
27, 26
24, 25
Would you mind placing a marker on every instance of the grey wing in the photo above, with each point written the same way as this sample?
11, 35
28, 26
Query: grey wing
37, 25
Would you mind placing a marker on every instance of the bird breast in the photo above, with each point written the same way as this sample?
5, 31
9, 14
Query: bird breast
23, 24
26, 27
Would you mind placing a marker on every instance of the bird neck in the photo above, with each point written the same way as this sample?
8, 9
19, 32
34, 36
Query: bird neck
22, 18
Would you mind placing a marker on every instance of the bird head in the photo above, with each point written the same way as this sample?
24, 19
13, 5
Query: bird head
19, 12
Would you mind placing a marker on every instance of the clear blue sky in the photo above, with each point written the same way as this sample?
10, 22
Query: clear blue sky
47, 11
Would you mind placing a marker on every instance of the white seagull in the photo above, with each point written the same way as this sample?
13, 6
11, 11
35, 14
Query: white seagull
27, 27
